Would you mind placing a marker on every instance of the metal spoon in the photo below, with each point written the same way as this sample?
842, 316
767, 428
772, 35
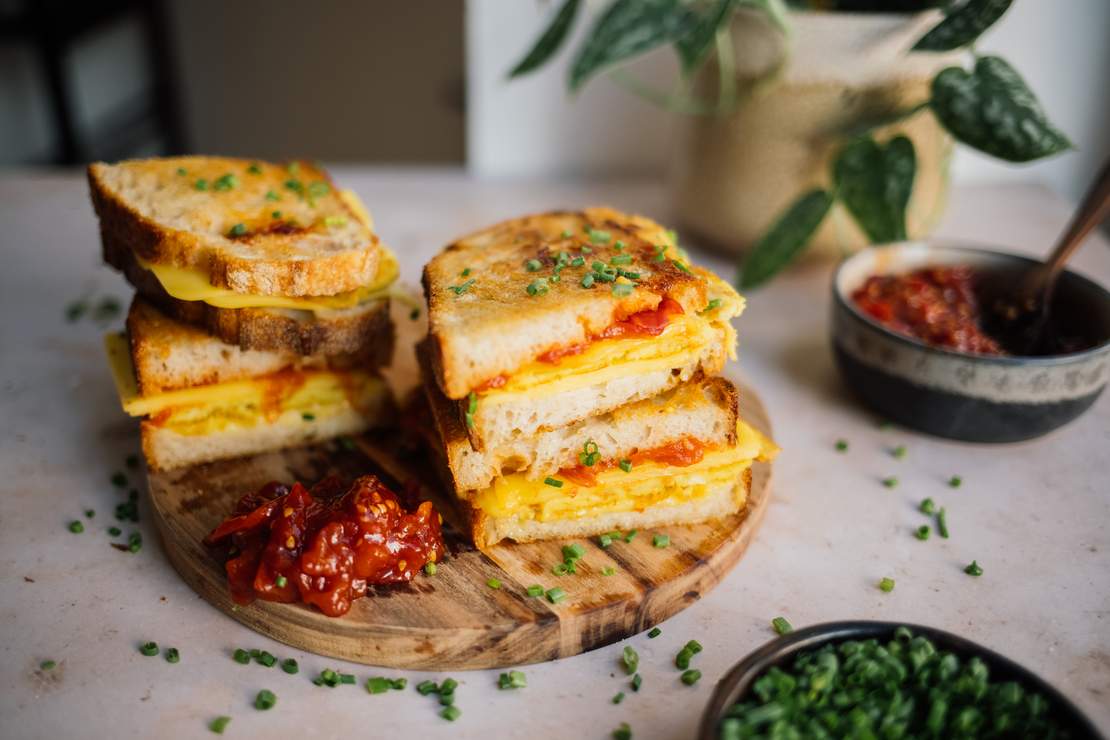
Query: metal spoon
1020, 307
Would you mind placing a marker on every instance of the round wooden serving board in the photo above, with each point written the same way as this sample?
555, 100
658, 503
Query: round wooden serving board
453, 620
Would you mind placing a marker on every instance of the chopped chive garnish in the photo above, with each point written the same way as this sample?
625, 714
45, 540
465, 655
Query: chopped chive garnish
471, 409
512, 680
587, 280
201, 184
630, 535
275, 214
535, 590
578, 262
623, 289
560, 569
308, 417
573, 551
131, 461
430, 569
618, 697
626, 465
681, 266
661, 540
237, 230
942, 523
266, 658
149, 649
48, 665
608, 570
348, 678
378, 685
318, 189
781, 626
336, 222
660, 253
414, 314
619, 245
226, 182
890, 482
465, 272
427, 687
76, 310
134, 542
89, 513
693, 646
555, 595
637, 682
691, 677
241, 656
281, 581
973, 569
254, 169
448, 686
654, 632
624, 732
898, 452
589, 456
265, 699
926, 506
886, 585
712, 305
682, 658
219, 724
533, 265
493, 583
841, 445
76, 527
604, 541
621, 259
922, 532
115, 531
566, 234
289, 665
630, 659
955, 481
537, 287
598, 236
450, 713
553, 482
272, 195
119, 480
460, 289
172, 655
182, 171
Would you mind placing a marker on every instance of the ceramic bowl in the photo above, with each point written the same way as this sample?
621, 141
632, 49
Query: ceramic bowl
975, 398
737, 682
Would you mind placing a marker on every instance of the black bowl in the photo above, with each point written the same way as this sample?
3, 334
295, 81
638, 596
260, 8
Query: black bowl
735, 685
975, 398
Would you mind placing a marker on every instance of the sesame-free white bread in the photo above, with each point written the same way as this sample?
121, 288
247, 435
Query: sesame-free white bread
705, 410
317, 246
721, 501
165, 449
483, 322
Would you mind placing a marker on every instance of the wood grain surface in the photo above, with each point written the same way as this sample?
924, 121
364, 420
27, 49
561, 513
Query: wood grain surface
453, 620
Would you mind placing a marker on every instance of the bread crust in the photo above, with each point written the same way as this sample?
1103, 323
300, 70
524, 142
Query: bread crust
365, 329
319, 246
493, 326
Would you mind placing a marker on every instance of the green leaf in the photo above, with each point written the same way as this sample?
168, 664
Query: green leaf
785, 239
992, 110
693, 47
550, 41
874, 184
628, 28
962, 25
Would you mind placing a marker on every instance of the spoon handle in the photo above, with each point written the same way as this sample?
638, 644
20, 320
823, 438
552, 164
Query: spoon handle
1094, 209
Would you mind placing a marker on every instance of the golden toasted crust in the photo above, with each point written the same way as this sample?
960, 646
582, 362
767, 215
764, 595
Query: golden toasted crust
317, 246
168, 354
482, 320
364, 330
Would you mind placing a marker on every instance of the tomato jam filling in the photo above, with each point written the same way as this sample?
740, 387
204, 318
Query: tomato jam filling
326, 546
647, 323
681, 453
936, 305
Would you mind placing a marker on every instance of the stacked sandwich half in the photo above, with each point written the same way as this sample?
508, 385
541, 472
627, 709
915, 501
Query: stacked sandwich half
261, 314
571, 368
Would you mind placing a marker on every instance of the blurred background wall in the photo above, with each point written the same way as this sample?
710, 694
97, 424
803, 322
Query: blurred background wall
419, 81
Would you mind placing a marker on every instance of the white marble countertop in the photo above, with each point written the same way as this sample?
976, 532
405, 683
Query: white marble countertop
1036, 515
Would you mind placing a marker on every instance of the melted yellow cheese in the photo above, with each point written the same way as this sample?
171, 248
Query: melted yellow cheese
204, 409
646, 485
192, 284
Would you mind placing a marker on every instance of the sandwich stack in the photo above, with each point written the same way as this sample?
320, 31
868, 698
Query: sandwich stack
572, 370
261, 314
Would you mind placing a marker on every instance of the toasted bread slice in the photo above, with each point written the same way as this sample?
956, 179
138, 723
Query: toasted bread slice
494, 304
703, 410
165, 448
363, 330
169, 355
723, 499
254, 227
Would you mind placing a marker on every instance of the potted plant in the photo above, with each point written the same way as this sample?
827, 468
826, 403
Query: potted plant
828, 129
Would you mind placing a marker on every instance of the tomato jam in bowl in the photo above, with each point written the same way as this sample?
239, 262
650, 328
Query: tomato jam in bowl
914, 338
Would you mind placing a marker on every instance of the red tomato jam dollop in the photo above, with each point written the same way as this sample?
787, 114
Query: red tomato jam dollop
936, 305
325, 546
